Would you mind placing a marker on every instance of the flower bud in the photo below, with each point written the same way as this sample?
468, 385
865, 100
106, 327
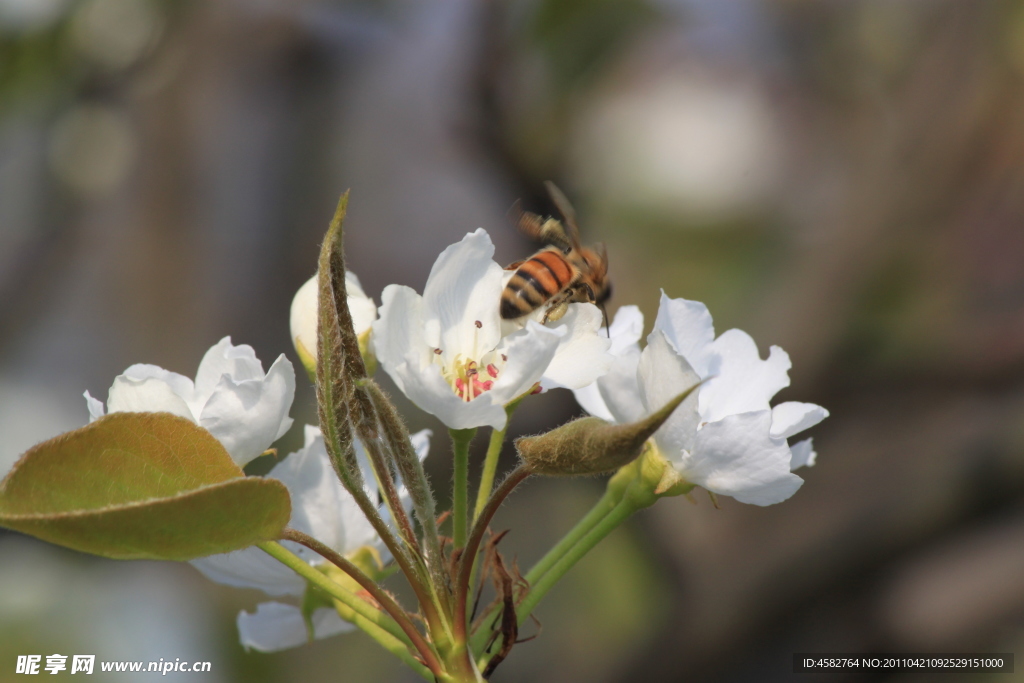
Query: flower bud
304, 321
590, 445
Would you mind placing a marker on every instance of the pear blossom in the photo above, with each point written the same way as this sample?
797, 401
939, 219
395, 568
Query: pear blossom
726, 437
304, 314
321, 508
452, 355
243, 407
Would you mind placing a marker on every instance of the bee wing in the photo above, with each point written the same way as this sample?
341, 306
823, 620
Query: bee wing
548, 231
602, 253
569, 213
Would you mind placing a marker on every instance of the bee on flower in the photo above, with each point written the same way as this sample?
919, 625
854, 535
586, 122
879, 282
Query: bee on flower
451, 353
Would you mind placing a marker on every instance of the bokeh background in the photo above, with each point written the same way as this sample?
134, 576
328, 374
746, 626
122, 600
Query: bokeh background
842, 178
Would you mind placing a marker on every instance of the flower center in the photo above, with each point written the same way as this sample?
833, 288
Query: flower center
467, 378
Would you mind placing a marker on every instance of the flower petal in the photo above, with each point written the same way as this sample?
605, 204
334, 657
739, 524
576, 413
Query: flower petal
620, 379
689, 328
303, 319
803, 454
237, 362
744, 383
399, 341
664, 374
95, 406
151, 395
362, 308
737, 457
461, 299
793, 417
421, 443
321, 507
582, 354
590, 399
247, 416
252, 568
620, 388
626, 329
529, 352
277, 626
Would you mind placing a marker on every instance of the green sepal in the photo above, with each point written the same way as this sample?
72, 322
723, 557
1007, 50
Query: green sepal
590, 445
141, 486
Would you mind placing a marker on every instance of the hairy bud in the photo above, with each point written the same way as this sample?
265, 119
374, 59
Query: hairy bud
590, 445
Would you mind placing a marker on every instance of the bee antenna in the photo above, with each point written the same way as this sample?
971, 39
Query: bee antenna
607, 327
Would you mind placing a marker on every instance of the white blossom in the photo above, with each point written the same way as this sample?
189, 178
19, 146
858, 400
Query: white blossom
450, 353
243, 407
278, 626
321, 508
304, 313
725, 437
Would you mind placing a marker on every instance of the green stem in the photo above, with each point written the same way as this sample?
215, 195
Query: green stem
467, 563
607, 503
397, 647
493, 455
605, 526
597, 513
370, 586
460, 484
372, 615
489, 470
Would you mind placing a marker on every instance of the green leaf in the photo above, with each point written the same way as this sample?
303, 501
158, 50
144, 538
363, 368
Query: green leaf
141, 486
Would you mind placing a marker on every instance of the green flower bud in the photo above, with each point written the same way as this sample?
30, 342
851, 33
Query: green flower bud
590, 445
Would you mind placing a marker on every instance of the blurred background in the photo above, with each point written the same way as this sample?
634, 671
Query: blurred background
844, 179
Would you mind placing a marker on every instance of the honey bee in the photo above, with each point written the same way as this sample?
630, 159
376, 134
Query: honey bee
561, 273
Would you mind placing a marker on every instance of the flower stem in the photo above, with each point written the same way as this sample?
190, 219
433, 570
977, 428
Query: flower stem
491, 460
371, 587
605, 526
489, 470
397, 647
467, 563
460, 485
607, 503
611, 521
373, 616
551, 558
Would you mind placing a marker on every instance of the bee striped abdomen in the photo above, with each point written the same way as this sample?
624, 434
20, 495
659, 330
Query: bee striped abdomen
539, 278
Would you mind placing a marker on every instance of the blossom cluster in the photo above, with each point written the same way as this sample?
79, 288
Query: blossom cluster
450, 352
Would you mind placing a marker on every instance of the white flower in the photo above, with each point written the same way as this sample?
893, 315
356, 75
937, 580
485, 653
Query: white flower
304, 313
321, 508
279, 626
725, 437
245, 409
450, 353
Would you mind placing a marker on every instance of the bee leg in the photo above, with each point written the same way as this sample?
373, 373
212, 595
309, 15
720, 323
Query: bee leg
556, 312
582, 293
559, 306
